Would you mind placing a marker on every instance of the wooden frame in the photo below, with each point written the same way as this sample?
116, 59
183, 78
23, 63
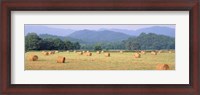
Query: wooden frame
98, 5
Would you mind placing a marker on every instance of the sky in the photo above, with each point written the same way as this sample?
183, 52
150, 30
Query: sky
111, 26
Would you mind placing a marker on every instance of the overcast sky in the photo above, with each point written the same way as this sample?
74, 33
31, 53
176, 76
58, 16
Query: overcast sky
106, 26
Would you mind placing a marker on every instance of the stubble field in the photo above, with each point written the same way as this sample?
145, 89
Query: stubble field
116, 61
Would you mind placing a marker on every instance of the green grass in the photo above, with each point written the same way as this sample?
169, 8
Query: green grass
117, 61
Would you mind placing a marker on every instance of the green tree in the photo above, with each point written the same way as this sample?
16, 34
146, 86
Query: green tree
150, 41
32, 42
76, 46
97, 47
58, 44
48, 44
68, 45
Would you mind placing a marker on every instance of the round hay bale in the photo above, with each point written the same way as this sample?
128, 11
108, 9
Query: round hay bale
88, 54
83, 51
88, 51
60, 59
143, 52
50, 52
74, 51
136, 55
102, 51
121, 51
98, 52
107, 54
80, 53
170, 51
154, 53
162, 67
160, 51
45, 53
32, 57
68, 51
56, 51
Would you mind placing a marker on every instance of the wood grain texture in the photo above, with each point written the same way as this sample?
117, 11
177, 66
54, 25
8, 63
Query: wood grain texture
99, 5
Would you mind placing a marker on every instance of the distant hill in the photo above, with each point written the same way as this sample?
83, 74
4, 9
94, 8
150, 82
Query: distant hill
156, 29
150, 41
45, 36
92, 36
40, 29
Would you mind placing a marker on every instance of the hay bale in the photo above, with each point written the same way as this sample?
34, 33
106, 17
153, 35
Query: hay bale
102, 51
107, 54
170, 51
68, 51
160, 51
162, 67
80, 53
56, 51
51, 52
136, 55
60, 59
88, 51
74, 51
98, 52
83, 51
32, 57
45, 53
88, 54
121, 51
154, 53
143, 52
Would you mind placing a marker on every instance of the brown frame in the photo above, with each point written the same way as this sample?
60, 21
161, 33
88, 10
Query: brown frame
99, 5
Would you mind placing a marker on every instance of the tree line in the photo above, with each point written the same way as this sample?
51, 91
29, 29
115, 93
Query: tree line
144, 41
34, 42
149, 41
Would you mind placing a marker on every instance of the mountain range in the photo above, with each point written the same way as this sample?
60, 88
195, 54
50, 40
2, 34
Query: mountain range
99, 36
93, 36
40, 29
155, 29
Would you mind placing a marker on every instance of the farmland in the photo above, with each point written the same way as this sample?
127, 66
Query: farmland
116, 61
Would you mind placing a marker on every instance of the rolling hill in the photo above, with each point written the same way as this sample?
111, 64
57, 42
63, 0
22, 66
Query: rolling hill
41, 29
92, 36
155, 29
87, 36
45, 36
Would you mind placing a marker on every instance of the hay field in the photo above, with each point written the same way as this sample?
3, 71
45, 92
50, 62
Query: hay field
116, 61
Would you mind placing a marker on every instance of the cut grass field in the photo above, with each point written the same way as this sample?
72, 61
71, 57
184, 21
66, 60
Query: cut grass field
116, 61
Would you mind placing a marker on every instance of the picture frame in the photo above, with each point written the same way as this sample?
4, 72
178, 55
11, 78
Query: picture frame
99, 5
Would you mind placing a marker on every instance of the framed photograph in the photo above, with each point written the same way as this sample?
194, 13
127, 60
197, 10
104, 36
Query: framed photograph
137, 47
